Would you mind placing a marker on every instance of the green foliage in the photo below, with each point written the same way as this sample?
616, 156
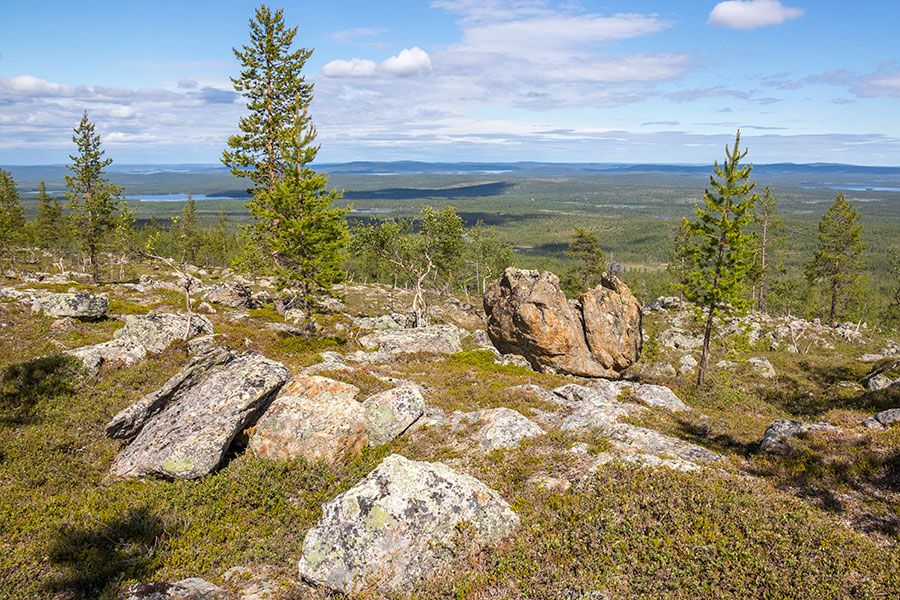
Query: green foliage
50, 224
768, 228
723, 252
266, 150
92, 199
895, 280
680, 263
11, 220
838, 264
585, 249
487, 255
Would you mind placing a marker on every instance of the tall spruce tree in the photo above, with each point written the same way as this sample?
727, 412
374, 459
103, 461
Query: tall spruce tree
585, 248
92, 199
723, 252
276, 92
837, 264
768, 230
49, 222
12, 221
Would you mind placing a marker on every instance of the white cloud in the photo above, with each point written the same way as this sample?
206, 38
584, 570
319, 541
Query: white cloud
879, 84
410, 61
750, 14
355, 67
28, 85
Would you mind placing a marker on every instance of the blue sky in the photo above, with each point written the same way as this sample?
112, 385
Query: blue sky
468, 80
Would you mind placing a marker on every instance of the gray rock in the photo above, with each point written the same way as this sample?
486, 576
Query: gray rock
315, 418
663, 303
77, 306
436, 339
233, 296
513, 360
398, 525
499, 427
648, 441
679, 339
183, 430
598, 413
390, 413
186, 589
761, 365
888, 417
779, 433
877, 381
658, 396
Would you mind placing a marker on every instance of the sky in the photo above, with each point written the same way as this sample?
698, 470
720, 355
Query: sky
467, 80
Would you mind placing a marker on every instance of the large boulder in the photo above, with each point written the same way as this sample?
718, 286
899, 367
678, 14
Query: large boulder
142, 335
597, 335
184, 429
315, 418
398, 525
391, 412
235, 295
77, 306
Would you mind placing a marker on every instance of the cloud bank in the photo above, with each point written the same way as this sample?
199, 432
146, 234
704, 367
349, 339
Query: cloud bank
750, 14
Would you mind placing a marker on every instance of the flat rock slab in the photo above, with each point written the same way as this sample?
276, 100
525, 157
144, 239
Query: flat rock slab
186, 589
312, 417
776, 437
391, 412
187, 429
658, 396
435, 339
77, 306
398, 525
499, 427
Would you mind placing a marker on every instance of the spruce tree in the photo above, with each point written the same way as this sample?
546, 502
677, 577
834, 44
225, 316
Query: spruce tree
722, 252
276, 93
12, 221
895, 280
187, 232
680, 256
92, 199
837, 264
768, 228
49, 223
585, 248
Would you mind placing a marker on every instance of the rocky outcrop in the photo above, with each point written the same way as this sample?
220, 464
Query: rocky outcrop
598, 335
398, 525
142, 334
391, 412
83, 306
779, 433
498, 427
435, 339
233, 295
315, 418
184, 429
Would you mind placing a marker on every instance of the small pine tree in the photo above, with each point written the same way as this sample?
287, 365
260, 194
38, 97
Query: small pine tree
221, 237
837, 263
92, 199
723, 252
585, 248
769, 229
187, 231
50, 222
276, 93
12, 221
680, 256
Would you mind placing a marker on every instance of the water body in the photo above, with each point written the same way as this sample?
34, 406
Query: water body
854, 188
372, 211
177, 197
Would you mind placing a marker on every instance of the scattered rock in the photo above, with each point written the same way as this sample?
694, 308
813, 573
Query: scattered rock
877, 381
513, 360
779, 433
184, 429
186, 589
80, 305
499, 427
398, 525
597, 335
390, 413
761, 365
233, 296
885, 418
435, 339
205, 308
662, 304
313, 417
679, 339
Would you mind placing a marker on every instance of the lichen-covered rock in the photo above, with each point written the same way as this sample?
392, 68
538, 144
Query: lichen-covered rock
315, 418
184, 430
499, 427
233, 296
761, 365
649, 441
435, 339
658, 396
142, 334
597, 335
398, 525
776, 437
877, 381
391, 412
193, 588
885, 418
77, 306
598, 413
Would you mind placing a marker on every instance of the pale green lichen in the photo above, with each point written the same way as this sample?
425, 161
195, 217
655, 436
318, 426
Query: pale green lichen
177, 466
378, 518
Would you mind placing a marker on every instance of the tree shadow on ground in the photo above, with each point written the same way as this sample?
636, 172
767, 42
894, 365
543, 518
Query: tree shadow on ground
93, 559
24, 385
698, 433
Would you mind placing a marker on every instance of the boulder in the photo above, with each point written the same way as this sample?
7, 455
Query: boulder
193, 588
499, 427
658, 396
761, 365
142, 334
312, 417
877, 381
184, 429
597, 335
436, 339
77, 306
390, 413
779, 433
883, 419
398, 525
235, 295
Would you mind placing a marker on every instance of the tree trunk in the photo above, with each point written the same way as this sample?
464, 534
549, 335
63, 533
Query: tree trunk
833, 311
704, 355
187, 305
